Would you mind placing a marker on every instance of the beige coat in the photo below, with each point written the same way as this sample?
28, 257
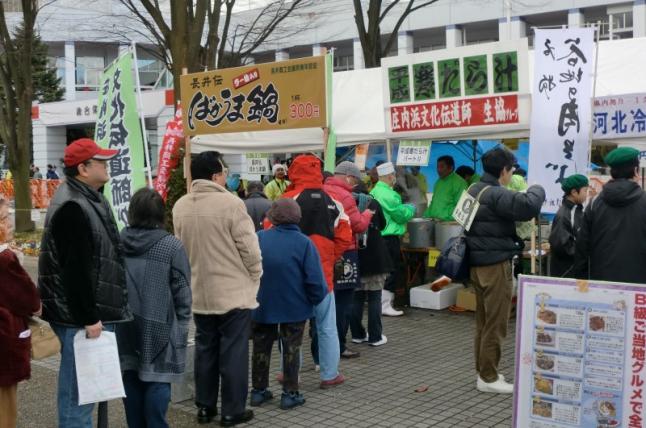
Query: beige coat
222, 246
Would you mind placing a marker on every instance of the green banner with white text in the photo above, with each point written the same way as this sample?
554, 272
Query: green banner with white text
118, 127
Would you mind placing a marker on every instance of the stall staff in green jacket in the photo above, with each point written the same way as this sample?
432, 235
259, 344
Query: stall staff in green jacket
447, 191
397, 214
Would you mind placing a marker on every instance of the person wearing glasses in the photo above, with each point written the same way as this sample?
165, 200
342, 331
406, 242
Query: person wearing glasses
223, 250
81, 270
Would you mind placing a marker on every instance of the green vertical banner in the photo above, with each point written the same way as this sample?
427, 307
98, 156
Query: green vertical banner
118, 127
330, 152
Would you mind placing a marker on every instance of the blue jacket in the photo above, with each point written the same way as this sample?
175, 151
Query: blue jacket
292, 281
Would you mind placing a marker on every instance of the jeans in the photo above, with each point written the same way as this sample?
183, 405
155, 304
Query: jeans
343, 302
222, 352
325, 339
70, 414
264, 336
146, 403
374, 315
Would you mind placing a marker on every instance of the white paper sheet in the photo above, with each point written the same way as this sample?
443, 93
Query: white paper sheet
98, 371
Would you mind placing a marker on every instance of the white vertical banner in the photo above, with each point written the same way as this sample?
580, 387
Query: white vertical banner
559, 136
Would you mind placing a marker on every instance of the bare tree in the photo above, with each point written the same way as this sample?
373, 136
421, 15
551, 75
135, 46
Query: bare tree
370, 36
17, 89
196, 39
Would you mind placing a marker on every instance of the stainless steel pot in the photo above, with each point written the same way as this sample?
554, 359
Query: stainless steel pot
445, 230
420, 233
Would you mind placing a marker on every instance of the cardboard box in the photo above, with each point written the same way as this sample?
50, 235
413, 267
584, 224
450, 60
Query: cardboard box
423, 297
467, 299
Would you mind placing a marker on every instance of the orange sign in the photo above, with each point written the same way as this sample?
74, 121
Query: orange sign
259, 97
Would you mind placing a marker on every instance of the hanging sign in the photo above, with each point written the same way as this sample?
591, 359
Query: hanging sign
559, 133
258, 163
414, 153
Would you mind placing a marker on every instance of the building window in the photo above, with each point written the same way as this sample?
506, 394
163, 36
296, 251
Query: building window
58, 64
343, 63
88, 72
150, 71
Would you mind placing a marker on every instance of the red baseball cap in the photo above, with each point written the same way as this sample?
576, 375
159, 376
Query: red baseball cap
85, 149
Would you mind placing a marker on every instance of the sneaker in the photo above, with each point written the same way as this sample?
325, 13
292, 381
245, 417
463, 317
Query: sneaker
362, 340
338, 380
348, 354
383, 341
497, 387
260, 396
289, 400
389, 311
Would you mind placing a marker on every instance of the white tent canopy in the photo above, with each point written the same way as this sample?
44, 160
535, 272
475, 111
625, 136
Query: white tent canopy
358, 106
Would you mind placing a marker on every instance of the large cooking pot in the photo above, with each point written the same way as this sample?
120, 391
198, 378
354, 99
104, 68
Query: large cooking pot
420, 233
445, 230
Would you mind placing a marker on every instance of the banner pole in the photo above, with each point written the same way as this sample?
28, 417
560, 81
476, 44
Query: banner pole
140, 107
187, 152
594, 91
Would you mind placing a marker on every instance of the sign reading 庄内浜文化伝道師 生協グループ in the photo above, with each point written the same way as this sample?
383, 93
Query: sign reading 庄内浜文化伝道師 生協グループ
260, 97
456, 91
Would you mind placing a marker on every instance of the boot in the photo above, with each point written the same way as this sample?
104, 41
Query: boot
387, 309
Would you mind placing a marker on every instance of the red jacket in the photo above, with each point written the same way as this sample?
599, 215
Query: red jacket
323, 218
18, 300
342, 192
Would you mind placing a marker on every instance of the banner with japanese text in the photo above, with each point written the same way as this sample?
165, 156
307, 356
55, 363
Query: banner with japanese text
559, 136
259, 97
580, 354
621, 116
169, 153
436, 93
118, 127
414, 153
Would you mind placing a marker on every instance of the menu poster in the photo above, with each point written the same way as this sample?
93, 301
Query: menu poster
580, 354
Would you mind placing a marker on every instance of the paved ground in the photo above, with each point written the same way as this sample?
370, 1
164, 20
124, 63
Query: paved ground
430, 348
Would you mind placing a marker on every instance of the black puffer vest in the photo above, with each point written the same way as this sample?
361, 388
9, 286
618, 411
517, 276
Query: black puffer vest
110, 291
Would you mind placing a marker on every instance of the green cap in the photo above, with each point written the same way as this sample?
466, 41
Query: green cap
621, 155
575, 181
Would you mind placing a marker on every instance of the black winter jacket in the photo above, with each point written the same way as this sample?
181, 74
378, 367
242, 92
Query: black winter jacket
81, 266
563, 238
611, 243
492, 238
374, 258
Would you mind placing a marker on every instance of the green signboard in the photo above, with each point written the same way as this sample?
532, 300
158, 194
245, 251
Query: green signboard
476, 81
505, 72
399, 83
449, 78
118, 127
424, 81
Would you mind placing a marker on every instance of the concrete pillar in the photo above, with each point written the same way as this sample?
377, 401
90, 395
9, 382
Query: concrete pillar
282, 55
70, 71
454, 36
49, 145
639, 18
357, 53
516, 30
575, 18
318, 50
404, 43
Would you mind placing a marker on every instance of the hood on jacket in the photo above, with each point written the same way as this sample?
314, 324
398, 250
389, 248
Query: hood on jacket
137, 241
305, 172
620, 193
336, 181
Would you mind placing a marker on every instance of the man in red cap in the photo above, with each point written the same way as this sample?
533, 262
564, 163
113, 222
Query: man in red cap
81, 268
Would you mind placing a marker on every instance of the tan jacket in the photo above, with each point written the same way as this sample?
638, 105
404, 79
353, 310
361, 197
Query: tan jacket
222, 246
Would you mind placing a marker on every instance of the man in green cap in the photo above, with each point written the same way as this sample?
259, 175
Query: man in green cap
447, 191
566, 225
610, 244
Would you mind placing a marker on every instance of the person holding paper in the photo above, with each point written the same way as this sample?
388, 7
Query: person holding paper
81, 267
18, 300
222, 246
152, 348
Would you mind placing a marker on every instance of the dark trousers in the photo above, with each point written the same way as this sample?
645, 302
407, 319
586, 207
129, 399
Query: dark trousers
394, 251
146, 403
374, 315
222, 351
343, 299
264, 336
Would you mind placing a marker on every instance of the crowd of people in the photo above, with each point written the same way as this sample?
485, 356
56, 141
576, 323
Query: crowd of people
307, 247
